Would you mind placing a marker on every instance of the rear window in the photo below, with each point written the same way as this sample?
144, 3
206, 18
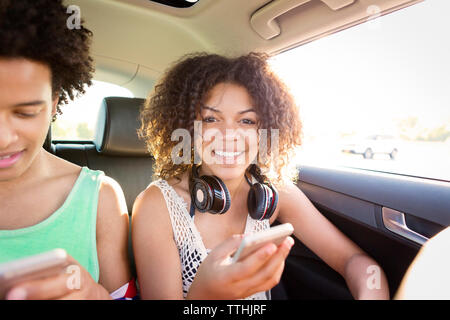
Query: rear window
79, 117
377, 96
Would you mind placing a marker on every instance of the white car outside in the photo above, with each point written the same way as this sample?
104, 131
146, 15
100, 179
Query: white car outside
371, 145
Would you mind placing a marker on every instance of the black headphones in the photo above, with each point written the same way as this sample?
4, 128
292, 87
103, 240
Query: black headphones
209, 193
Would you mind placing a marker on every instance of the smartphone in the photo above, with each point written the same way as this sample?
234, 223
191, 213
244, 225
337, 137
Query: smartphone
254, 241
34, 267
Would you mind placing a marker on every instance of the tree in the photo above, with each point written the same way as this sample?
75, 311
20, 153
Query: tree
408, 128
438, 134
83, 131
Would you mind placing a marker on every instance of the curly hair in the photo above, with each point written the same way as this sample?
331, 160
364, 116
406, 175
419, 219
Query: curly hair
37, 30
176, 100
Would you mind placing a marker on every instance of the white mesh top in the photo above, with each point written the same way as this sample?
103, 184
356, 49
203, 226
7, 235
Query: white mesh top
189, 242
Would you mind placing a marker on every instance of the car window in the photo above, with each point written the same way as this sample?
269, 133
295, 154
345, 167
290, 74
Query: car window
377, 95
80, 116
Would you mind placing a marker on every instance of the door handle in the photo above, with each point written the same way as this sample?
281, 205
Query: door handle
395, 222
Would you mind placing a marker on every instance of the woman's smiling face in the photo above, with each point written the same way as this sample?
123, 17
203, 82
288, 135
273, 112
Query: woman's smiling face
229, 141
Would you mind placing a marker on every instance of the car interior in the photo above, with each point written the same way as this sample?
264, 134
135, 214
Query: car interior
389, 216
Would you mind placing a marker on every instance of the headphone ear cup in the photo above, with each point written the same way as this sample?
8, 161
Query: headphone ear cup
227, 195
274, 202
201, 194
256, 201
220, 196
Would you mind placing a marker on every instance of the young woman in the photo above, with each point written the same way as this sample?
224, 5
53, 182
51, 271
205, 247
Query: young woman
47, 202
238, 102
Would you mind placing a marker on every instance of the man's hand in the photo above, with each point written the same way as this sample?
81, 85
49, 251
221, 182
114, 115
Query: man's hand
65, 286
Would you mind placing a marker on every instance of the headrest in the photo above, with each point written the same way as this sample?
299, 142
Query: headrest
117, 125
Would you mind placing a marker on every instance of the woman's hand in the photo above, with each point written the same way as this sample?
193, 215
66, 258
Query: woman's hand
74, 284
218, 278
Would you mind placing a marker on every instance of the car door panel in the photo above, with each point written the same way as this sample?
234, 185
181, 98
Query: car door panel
352, 200
423, 198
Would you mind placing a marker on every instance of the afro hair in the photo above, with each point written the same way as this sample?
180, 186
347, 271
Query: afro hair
38, 31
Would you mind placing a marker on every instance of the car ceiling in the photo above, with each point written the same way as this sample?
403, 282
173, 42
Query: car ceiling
136, 40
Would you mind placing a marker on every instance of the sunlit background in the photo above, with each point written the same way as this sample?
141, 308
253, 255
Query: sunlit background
389, 76
388, 79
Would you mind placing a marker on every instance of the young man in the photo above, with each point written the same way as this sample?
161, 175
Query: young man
47, 202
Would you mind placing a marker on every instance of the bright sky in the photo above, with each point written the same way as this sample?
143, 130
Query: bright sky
365, 77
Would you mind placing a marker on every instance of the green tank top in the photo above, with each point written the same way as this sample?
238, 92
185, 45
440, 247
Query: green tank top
72, 227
